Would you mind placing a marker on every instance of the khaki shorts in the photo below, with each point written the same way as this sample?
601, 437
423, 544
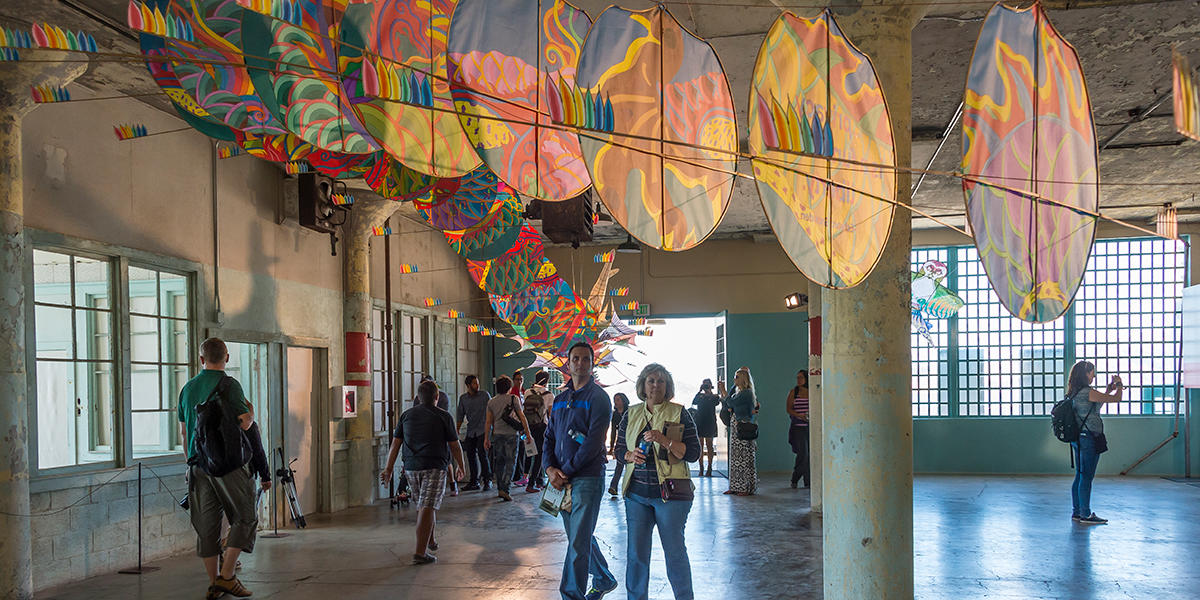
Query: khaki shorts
231, 496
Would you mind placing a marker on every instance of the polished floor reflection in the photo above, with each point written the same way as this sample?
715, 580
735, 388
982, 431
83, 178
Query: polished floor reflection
976, 537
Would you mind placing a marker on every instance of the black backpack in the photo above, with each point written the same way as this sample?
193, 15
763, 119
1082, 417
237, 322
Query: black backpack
221, 445
1065, 422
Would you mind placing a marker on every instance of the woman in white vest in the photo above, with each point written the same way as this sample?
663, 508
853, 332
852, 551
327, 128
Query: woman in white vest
658, 438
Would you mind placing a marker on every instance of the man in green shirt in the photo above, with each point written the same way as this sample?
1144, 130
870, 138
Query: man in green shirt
231, 495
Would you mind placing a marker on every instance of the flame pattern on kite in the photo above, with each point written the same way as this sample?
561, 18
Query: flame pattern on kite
474, 328
47, 36
130, 131
783, 129
619, 292
280, 9
1186, 95
44, 94
146, 20
381, 79
340, 199
407, 268
605, 257
9, 55
569, 106
631, 305
296, 167
453, 314
228, 151
431, 302
380, 230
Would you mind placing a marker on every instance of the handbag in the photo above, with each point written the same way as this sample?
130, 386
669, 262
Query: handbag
746, 431
511, 420
677, 489
1100, 442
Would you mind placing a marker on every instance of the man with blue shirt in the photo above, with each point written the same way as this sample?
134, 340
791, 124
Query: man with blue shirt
574, 455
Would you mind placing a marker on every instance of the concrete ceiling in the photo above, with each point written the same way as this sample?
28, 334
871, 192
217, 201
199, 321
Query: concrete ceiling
1125, 47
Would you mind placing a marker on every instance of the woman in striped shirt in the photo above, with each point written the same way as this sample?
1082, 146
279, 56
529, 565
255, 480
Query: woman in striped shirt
797, 408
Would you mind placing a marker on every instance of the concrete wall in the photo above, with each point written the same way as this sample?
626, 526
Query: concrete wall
278, 283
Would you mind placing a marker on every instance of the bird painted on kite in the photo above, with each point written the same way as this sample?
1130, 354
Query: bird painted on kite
931, 299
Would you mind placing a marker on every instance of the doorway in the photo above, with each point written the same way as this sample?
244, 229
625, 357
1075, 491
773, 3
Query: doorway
302, 432
691, 349
249, 365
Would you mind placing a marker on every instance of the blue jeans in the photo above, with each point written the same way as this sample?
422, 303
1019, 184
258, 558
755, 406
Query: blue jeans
583, 553
1086, 460
642, 515
504, 456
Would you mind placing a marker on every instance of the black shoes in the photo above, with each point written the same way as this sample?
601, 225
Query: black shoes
424, 559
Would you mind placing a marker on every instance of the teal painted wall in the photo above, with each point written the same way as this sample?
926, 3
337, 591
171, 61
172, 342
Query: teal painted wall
775, 347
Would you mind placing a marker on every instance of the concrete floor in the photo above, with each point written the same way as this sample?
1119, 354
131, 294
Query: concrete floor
976, 537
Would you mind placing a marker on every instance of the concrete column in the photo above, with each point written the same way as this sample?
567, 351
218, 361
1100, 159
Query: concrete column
867, 486
16, 569
356, 320
815, 447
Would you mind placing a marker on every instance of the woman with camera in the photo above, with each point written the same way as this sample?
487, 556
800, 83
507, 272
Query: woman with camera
1092, 442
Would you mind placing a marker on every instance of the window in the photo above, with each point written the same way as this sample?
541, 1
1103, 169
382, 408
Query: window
412, 356
380, 352
1124, 318
160, 351
75, 370
468, 356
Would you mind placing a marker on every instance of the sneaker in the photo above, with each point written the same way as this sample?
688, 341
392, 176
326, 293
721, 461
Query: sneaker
1075, 517
453, 492
470, 487
612, 491
487, 486
505, 496
433, 545
595, 593
233, 587
522, 481
424, 559
214, 593
1092, 519
532, 489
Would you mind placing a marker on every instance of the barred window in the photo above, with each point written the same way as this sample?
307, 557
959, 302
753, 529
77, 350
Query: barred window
1125, 318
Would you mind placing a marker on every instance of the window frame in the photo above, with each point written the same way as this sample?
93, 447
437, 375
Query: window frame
1070, 323
119, 259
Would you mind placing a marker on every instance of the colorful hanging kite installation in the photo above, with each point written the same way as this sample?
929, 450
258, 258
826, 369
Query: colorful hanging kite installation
931, 299
1029, 162
1186, 93
815, 95
666, 172
508, 61
130, 131
47, 37
393, 73
45, 94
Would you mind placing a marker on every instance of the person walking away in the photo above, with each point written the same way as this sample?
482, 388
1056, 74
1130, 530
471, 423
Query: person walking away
537, 402
473, 407
505, 420
658, 488
706, 403
574, 456
428, 437
443, 402
1092, 442
743, 472
519, 469
620, 405
230, 495
797, 409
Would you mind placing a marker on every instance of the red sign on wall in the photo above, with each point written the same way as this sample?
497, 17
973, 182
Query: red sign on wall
358, 358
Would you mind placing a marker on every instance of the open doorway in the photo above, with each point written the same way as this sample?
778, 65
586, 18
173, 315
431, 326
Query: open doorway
692, 350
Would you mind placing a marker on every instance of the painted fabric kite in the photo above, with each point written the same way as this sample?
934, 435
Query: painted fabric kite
494, 235
665, 173
392, 180
293, 65
516, 269
1186, 94
393, 69
460, 203
510, 60
211, 69
163, 72
1029, 161
931, 299
815, 95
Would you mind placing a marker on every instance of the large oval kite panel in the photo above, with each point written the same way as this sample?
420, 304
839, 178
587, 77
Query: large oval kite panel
815, 95
665, 166
1029, 162
393, 68
503, 56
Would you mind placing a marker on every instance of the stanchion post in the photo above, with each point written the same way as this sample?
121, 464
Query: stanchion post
140, 568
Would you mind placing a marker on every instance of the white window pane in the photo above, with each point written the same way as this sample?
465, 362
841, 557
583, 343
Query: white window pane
91, 281
51, 277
